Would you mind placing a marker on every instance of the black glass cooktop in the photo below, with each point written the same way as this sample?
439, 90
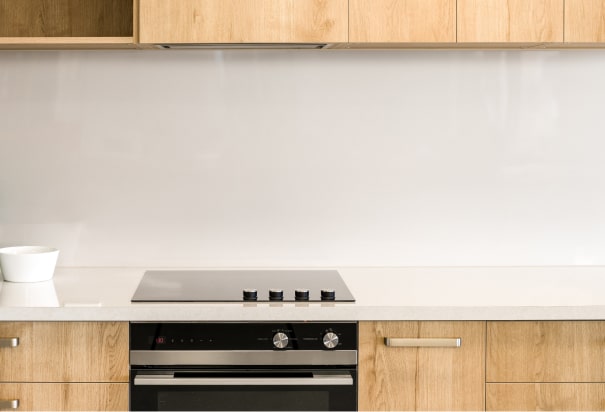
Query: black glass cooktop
242, 286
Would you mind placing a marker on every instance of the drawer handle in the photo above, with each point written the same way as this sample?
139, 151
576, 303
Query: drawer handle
12, 404
9, 342
423, 342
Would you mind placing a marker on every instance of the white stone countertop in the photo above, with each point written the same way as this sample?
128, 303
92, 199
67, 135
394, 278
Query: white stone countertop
424, 293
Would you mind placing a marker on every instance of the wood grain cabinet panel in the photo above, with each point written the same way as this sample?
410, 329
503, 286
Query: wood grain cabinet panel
67, 396
545, 397
503, 21
68, 24
65, 352
385, 21
421, 378
243, 21
585, 21
556, 351
66, 18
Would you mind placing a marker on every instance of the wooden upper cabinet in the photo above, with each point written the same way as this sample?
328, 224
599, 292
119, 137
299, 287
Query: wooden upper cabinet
243, 21
514, 21
585, 21
65, 352
402, 21
561, 351
421, 377
67, 22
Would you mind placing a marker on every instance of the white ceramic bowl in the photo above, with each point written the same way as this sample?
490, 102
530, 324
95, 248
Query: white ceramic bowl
28, 263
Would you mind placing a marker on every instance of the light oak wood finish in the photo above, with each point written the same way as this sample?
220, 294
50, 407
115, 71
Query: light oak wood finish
65, 352
421, 378
585, 21
243, 21
546, 351
384, 21
545, 397
66, 18
67, 396
510, 21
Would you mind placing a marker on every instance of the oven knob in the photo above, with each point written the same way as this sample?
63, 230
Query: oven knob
301, 294
250, 294
280, 340
276, 294
328, 294
330, 340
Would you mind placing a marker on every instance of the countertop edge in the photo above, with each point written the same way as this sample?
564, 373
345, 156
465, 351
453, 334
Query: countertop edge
234, 314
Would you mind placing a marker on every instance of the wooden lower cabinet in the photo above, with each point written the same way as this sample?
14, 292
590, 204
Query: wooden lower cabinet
65, 352
67, 396
64, 366
545, 396
422, 377
546, 351
545, 366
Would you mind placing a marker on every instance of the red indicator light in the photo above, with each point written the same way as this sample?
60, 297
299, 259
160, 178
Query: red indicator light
160, 340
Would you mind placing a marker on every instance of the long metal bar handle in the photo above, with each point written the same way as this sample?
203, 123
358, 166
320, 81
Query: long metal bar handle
9, 342
12, 404
423, 342
316, 380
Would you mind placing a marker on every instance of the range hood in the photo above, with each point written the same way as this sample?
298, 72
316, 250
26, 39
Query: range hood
224, 46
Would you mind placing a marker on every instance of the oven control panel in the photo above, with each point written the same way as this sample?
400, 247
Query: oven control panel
181, 336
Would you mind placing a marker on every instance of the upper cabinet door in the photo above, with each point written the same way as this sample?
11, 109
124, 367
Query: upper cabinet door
585, 21
402, 21
515, 21
243, 21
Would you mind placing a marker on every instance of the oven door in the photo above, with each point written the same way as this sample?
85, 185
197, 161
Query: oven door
243, 390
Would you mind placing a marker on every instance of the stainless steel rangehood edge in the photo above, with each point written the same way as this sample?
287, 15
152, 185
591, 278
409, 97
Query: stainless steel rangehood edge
247, 46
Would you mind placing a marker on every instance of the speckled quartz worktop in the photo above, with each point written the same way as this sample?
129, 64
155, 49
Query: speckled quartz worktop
477, 293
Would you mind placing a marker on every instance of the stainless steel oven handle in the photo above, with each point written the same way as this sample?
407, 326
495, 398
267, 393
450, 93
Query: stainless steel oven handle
318, 379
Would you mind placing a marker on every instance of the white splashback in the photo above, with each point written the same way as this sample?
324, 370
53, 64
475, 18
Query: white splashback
304, 158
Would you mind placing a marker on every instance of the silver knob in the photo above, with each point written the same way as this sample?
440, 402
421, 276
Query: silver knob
330, 340
280, 340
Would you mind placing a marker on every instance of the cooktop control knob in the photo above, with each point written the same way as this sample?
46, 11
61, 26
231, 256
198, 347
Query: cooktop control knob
250, 294
330, 340
301, 294
328, 294
276, 294
280, 340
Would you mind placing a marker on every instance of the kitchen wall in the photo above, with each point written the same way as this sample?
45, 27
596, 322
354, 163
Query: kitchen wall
304, 158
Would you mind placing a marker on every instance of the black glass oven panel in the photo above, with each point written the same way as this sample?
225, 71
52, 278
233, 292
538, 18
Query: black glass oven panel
238, 336
243, 398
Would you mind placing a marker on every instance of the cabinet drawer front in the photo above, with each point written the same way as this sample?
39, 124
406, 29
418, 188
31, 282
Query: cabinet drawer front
548, 351
65, 352
584, 21
426, 377
243, 21
66, 396
510, 21
545, 397
402, 21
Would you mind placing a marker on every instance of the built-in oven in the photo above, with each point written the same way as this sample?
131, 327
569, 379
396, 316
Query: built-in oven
295, 366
